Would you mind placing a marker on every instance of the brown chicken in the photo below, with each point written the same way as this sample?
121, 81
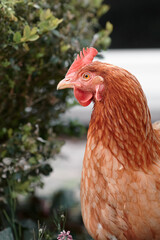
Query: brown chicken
120, 185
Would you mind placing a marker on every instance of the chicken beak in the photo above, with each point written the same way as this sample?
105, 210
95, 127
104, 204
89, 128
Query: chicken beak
65, 83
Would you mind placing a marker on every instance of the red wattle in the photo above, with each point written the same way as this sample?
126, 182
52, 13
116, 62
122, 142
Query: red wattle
84, 98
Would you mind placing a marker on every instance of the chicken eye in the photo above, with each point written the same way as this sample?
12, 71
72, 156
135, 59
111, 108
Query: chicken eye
86, 76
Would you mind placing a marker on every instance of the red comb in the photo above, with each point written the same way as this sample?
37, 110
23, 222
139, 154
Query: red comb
83, 59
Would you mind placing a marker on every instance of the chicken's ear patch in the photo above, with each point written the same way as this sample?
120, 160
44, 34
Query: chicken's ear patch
99, 92
85, 57
98, 81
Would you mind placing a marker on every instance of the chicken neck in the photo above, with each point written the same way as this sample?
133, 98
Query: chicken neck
122, 123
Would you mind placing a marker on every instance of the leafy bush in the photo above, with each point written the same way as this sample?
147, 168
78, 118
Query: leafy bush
38, 39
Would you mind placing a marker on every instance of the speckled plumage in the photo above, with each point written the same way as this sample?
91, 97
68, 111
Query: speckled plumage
120, 183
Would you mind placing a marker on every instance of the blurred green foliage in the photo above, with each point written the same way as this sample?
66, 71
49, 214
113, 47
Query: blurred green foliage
38, 39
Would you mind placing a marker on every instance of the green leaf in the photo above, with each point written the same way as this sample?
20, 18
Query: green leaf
22, 187
10, 132
54, 23
5, 63
48, 21
26, 47
32, 161
17, 37
29, 35
43, 27
3, 153
24, 138
42, 15
103, 9
27, 128
45, 14
33, 38
65, 47
26, 31
97, 3
33, 148
109, 27
48, 14
34, 30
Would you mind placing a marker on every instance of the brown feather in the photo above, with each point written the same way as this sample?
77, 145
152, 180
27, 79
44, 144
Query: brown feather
120, 185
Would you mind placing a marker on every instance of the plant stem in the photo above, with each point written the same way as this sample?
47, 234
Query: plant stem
12, 204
